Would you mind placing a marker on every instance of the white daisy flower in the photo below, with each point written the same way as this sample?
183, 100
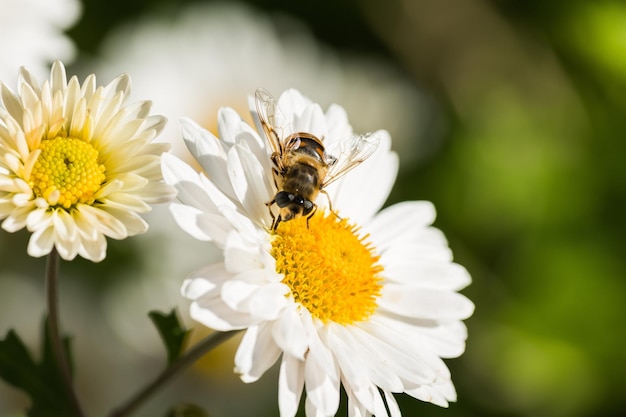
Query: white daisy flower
76, 163
366, 300
31, 34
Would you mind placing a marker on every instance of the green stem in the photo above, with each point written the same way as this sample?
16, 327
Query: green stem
189, 358
52, 295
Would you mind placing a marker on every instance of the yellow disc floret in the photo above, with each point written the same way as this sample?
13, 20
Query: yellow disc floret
67, 172
330, 269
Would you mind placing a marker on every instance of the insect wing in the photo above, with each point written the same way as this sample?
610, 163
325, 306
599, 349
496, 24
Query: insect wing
266, 110
342, 156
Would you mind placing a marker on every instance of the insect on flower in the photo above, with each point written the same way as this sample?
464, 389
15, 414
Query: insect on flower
302, 166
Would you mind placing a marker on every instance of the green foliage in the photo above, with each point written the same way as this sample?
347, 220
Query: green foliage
187, 410
40, 380
172, 333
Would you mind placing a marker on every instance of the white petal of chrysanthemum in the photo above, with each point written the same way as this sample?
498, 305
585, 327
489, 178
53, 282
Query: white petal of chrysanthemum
447, 339
421, 349
364, 402
67, 233
94, 249
322, 389
200, 215
256, 353
383, 351
217, 315
237, 292
41, 242
389, 227
229, 124
289, 332
400, 268
422, 247
392, 404
289, 106
206, 281
250, 183
210, 153
243, 253
312, 120
377, 173
318, 349
193, 189
200, 224
338, 127
290, 385
439, 393
18, 218
268, 302
425, 303
351, 362
104, 222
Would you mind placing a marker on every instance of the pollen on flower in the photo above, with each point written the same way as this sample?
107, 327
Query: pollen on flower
67, 172
331, 270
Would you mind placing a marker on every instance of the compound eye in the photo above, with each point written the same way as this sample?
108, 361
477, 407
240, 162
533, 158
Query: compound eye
308, 206
283, 199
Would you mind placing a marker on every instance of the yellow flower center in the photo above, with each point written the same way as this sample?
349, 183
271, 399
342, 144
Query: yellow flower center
331, 270
67, 172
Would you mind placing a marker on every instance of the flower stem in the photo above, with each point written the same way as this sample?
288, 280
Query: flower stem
52, 295
186, 360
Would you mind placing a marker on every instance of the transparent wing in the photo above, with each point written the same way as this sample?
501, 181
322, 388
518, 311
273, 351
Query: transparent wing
266, 109
342, 156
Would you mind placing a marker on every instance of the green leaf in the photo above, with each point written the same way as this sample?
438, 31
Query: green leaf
173, 334
187, 410
41, 381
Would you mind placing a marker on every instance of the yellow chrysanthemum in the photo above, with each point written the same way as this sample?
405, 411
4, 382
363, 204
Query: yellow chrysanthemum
77, 163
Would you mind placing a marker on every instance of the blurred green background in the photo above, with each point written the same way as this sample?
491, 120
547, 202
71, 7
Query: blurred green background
517, 136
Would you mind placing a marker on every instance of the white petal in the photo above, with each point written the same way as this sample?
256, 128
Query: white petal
200, 225
350, 360
425, 303
383, 349
229, 124
268, 301
290, 385
312, 121
394, 222
290, 334
241, 255
337, 124
205, 281
432, 275
103, 221
93, 249
215, 314
210, 153
41, 242
250, 182
358, 366
392, 404
236, 294
192, 187
363, 191
321, 389
403, 251
256, 353
67, 241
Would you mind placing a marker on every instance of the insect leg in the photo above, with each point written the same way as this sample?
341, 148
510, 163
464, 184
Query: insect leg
311, 215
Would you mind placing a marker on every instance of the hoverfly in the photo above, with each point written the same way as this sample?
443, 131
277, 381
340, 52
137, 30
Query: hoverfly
302, 166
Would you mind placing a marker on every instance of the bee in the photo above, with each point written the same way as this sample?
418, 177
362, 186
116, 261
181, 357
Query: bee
302, 167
